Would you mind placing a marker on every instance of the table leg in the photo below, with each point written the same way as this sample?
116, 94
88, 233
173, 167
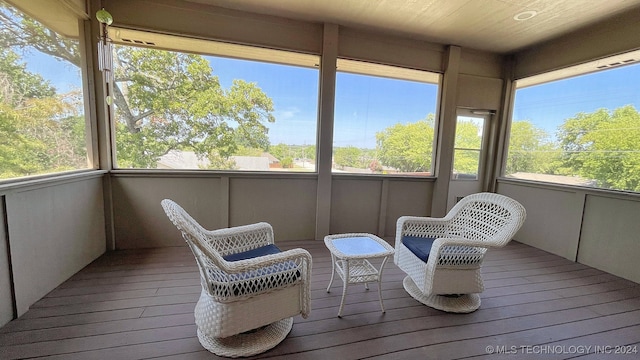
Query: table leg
333, 271
380, 294
345, 283
380, 283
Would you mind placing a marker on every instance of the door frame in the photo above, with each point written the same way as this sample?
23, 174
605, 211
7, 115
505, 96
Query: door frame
459, 188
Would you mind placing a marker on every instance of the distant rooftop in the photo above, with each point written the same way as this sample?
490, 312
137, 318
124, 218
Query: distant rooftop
176, 159
560, 179
256, 163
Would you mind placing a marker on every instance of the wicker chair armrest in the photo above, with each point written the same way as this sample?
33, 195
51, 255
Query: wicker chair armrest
456, 241
240, 238
421, 226
456, 252
289, 267
298, 255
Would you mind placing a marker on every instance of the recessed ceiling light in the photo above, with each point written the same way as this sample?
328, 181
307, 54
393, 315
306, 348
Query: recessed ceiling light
525, 15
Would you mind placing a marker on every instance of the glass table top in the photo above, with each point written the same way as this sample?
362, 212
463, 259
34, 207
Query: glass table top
358, 246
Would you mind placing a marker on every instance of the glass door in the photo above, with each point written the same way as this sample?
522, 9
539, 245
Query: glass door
469, 154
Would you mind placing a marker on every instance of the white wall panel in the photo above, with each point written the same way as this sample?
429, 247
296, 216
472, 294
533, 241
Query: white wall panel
553, 217
140, 221
407, 197
355, 205
288, 204
611, 236
54, 231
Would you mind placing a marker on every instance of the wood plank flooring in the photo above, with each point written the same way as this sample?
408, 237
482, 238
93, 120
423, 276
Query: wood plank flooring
138, 304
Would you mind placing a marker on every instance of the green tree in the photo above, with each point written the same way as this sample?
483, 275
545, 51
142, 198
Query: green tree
407, 147
164, 100
308, 152
287, 162
248, 151
530, 150
168, 101
50, 121
349, 156
604, 146
468, 136
572, 140
35, 123
21, 32
39, 127
19, 84
280, 151
19, 155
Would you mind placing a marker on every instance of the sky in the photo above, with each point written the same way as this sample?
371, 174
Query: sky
294, 91
366, 105
548, 105
61, 74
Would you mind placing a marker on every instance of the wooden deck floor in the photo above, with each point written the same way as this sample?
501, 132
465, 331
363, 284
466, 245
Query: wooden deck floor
139, 305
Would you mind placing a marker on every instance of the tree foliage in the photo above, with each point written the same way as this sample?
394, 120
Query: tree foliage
349, 156
287, 162
530, 150
286, 153
407, 147
467, 143
171, 101
163, 100
18, 153
24, 33
41, 130
38, 128
604, 146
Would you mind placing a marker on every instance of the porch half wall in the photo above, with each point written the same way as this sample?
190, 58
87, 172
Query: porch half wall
593, 227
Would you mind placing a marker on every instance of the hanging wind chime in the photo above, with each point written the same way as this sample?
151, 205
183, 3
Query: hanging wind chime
105, 50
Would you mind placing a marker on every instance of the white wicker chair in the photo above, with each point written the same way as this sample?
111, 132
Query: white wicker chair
442, 256
247, 303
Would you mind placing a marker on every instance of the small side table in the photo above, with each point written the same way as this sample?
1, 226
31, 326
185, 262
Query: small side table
350, 255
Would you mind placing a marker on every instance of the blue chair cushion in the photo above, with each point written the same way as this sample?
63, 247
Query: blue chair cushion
261, 251
419, 246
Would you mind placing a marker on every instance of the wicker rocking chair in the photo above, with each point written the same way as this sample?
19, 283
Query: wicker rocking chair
442, 256
250, 290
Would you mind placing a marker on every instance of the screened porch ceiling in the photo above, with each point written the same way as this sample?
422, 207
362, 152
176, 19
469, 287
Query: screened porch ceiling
498, 26
488, 25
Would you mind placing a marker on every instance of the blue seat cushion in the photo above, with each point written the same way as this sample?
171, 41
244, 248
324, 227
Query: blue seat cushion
419, 246
261, 251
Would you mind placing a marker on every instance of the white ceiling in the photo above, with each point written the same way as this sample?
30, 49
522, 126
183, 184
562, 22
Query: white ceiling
478, 24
